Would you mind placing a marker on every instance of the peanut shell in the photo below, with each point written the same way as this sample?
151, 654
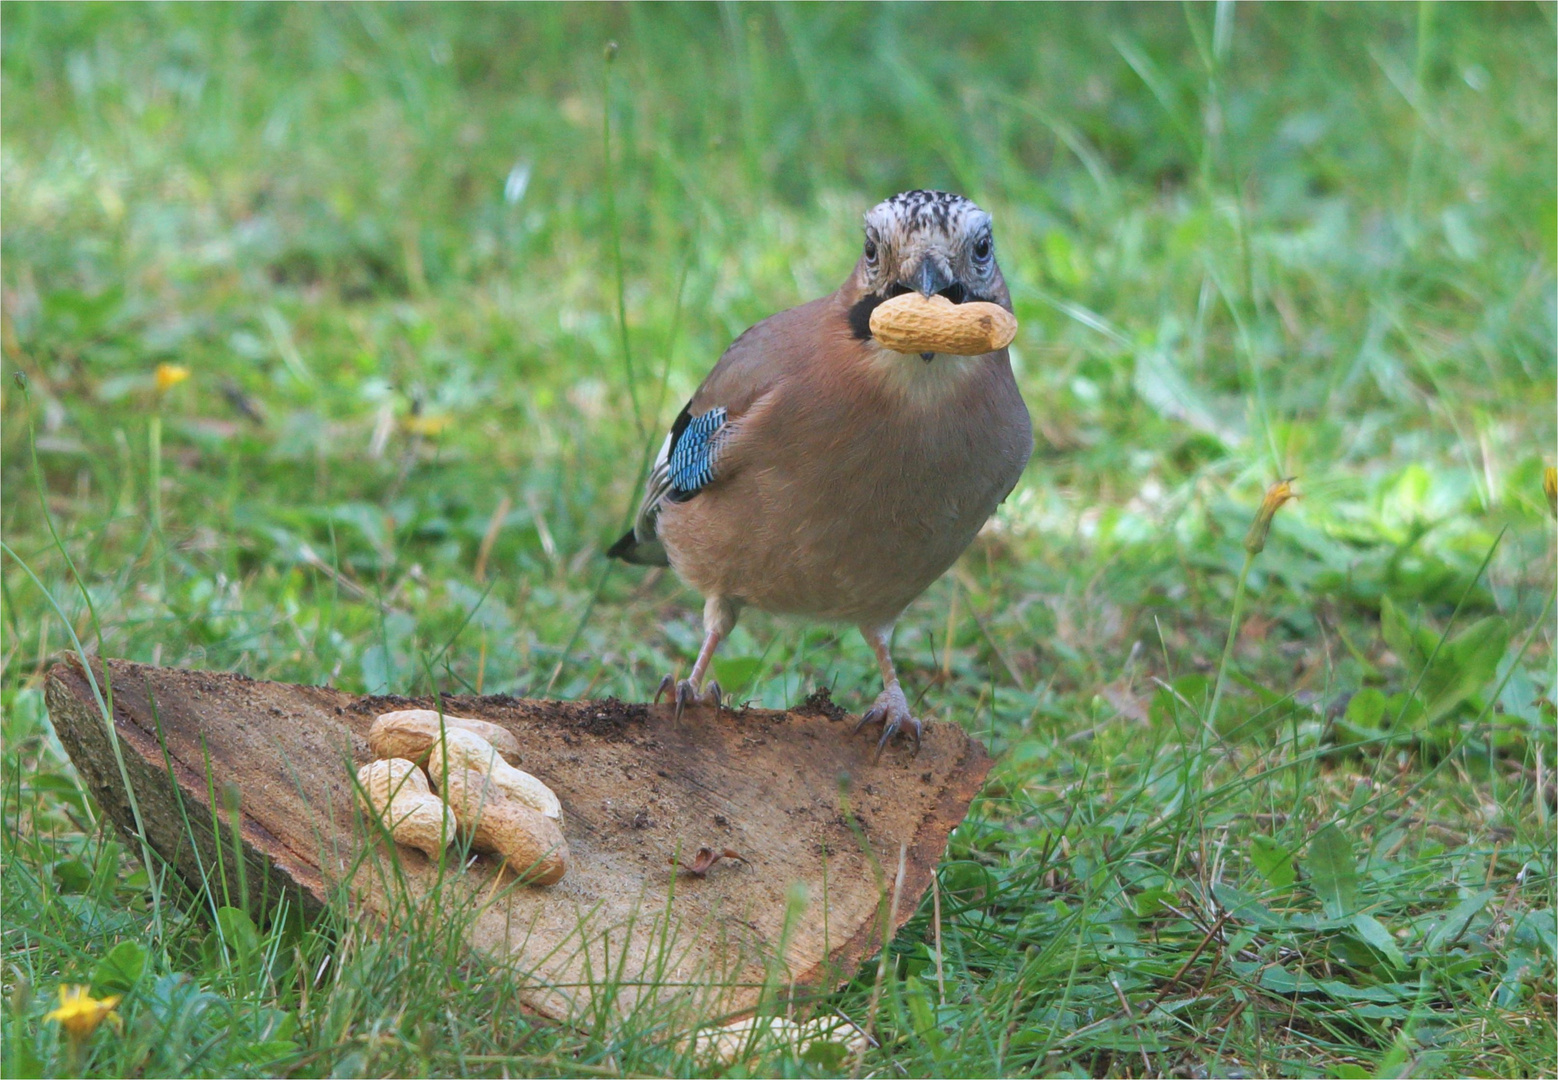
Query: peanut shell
396, 792
531, 843
463, 750
912, 323
411, 733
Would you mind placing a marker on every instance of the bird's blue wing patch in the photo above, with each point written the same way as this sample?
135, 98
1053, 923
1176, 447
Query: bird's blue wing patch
695, 454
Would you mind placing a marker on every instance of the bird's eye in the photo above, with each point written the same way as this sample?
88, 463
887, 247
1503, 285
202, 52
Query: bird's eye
982, 249
870, 251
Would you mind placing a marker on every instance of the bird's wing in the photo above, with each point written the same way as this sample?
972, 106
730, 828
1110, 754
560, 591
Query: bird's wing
687, 463
696, 452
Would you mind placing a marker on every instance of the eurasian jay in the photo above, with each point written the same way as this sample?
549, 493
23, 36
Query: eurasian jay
817, 473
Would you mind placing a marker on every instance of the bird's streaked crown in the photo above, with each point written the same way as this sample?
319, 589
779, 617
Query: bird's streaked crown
930, 242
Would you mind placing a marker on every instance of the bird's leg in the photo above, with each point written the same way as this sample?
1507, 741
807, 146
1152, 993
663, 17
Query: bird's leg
891, 708
719, 619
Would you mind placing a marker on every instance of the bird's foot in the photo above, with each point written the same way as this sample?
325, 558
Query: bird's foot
891, 710
684, 693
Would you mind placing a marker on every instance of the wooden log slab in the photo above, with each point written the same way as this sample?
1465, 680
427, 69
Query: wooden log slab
821, 828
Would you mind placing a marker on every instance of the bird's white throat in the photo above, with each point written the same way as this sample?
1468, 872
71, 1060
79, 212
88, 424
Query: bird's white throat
922, 382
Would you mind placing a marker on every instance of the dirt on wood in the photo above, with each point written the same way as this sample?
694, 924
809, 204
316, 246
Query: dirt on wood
820, 703
793, 792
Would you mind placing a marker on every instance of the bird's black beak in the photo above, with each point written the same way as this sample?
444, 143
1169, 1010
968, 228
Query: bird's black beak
930, 278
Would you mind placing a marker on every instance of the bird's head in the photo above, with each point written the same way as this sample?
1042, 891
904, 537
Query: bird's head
927, 242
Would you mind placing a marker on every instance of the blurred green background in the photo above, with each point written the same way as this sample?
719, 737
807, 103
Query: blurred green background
438, 275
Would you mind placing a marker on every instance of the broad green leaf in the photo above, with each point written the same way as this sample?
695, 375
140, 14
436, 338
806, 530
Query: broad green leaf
1347, 951
1273, 861
968, 882
735, 673
1149, 902
1247, 909
1343, 991
1482, 644
238, 932
1371, 1011
1455, 923
1397, 631
921, 1012
1333, 873
1537, 930
1408, 710
1517, 969
826, 1055
1280, 980
1465, 665
120, 969
72, 876
1372, 931
1519, 696
1367, 708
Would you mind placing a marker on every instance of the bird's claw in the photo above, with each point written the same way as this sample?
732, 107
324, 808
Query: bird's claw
666, 683
685, 694
891, 710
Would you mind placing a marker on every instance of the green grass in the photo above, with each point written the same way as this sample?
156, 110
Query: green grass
1244, 243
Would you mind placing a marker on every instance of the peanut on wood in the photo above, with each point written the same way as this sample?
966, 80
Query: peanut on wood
531, 843
396, 792
411, 734
912, 323
463, 750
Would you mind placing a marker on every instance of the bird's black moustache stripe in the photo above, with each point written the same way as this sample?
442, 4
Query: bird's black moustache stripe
860, 313
860, 316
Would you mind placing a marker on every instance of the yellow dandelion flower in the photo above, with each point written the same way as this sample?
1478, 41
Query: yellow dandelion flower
1276, 495
1550, 485
428, 424
80, 1013
170, 375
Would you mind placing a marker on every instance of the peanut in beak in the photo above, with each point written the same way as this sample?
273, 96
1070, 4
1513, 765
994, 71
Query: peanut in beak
912, 323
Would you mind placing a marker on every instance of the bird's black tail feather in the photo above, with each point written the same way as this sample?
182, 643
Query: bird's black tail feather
630, 549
